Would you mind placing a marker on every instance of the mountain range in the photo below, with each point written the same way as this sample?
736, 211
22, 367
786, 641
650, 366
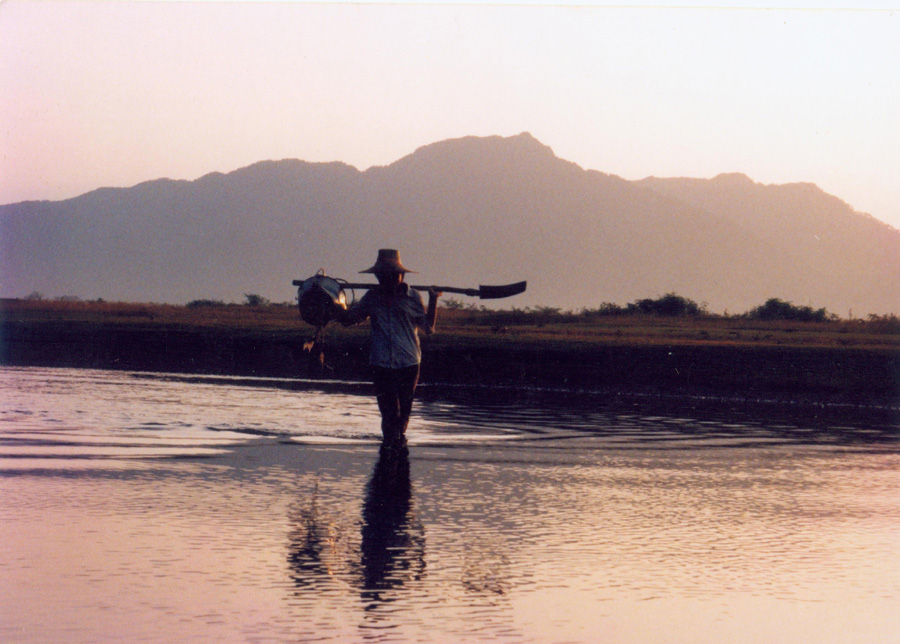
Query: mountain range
462, 212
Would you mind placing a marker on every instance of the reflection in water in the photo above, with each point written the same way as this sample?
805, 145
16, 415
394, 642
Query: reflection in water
548, 518
389, 555
308, 539
393, 539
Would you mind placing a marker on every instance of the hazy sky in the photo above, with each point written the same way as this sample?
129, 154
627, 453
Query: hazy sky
114, 93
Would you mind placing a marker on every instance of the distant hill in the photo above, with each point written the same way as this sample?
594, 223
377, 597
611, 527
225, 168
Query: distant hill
462, 212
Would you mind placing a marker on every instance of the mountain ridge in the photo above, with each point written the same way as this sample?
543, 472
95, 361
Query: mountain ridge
468, 211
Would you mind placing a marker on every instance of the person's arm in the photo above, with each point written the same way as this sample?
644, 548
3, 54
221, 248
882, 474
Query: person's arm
431, 314
354, 315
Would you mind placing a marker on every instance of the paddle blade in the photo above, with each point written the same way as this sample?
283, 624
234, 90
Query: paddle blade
497, 292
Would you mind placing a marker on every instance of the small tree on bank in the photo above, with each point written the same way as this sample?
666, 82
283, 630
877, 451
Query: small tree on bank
252, 299
776, 309
669, 305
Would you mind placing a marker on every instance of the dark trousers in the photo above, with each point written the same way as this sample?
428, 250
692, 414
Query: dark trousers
394, 389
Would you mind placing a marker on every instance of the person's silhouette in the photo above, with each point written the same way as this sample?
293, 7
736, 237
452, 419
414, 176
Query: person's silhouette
396, 314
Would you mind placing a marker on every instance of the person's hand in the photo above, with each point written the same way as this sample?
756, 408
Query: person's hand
339, 313
434, 292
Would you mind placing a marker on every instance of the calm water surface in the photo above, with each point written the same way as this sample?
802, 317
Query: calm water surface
160, 508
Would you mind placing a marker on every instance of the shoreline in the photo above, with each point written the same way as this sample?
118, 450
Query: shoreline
816, 375
844, 364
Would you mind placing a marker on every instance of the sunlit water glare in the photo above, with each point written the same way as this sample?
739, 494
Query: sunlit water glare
162, 508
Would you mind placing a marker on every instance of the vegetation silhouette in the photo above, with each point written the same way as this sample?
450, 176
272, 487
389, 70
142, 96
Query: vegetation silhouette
662, 345
775, 309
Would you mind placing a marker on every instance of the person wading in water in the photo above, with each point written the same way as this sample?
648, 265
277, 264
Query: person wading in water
396, 313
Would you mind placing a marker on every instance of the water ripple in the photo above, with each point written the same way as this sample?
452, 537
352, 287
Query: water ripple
262, 511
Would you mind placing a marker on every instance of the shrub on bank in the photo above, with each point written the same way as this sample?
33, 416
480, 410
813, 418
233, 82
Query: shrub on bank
254, 299
883, 323
669, 305
775, 309
200, 304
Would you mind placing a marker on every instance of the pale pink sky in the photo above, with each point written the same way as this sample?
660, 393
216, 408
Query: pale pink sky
114, 93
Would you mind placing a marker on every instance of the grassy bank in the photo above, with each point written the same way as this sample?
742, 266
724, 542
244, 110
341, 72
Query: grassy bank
842, 361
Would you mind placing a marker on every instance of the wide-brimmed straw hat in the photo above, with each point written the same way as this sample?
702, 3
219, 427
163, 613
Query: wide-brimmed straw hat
388, 260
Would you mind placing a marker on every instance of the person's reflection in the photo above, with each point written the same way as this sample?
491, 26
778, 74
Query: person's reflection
392, 548
393, 540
